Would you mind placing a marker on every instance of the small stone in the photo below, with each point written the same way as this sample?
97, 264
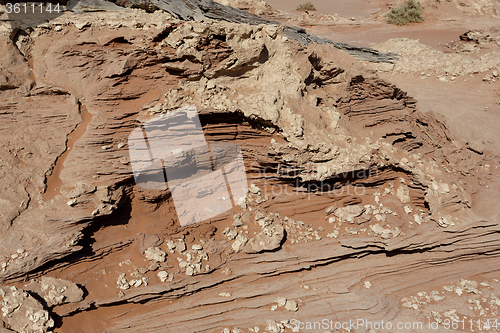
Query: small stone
163, 276
197, 247
145, 281
237, 221
190, 270
403, 193
81, 25
242, 203
121, 145
291, 305
72, 202
171, 245
225, 294
20, 251
408, 209
274, 308
239, 243
106, 147
282, 301
122, 282
254, 189
181, 246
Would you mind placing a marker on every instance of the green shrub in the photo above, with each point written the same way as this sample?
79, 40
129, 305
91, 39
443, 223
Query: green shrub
308, 5
410, 12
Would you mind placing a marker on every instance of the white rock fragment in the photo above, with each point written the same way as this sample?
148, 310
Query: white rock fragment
242, 203
181, 246
58, 291
383, 232
254, 189
223, 294
197, 247
230, 233
445, 222
190, 270
274, 327
239, 243
71, 202
122, 282
145, 281
291, 305
349, 212
170, 245
155, 254
282, 301
368, 285
163, 276
403, 193
23, 313
436, 316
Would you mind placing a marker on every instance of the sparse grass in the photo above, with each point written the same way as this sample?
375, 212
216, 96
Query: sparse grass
410, 12
308, 5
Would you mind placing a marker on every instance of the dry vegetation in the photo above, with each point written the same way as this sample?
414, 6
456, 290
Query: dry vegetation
308, 5
410, 12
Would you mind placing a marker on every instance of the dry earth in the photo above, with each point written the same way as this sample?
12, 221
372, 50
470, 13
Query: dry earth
373, 193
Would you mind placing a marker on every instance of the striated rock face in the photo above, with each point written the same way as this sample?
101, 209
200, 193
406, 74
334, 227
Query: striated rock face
352, 190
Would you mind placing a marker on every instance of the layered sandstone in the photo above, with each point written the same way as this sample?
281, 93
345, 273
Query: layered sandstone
355, 191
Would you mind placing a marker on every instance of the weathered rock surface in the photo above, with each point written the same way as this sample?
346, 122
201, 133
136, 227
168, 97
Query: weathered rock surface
56, 291
23, 313
330, 148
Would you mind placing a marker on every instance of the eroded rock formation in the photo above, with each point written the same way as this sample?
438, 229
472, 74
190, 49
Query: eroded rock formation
354, 190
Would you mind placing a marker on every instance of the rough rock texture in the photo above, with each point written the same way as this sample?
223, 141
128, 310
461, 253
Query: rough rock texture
355, 191
23, 313
416, 57
56, 291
